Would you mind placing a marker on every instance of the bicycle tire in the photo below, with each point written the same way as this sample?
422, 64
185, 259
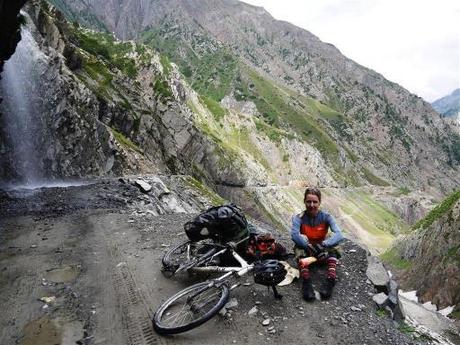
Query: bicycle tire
173, 258
166, 321
184, 254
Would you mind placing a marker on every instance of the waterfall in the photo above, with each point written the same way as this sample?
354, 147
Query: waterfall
23, 129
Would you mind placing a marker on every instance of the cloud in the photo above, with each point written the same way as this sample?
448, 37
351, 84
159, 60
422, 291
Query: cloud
415, 43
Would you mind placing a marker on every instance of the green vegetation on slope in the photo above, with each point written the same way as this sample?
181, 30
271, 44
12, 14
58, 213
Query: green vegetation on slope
381, 224
438, 211
375, 180
211, 73
113, 51
240, 137
126, 142
214, 107
393, 258
212, 196
277, 110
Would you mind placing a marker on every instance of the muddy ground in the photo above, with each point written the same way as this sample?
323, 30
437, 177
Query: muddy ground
94, 251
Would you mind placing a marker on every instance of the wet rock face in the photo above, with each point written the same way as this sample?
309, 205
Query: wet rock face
9, 28
60, 119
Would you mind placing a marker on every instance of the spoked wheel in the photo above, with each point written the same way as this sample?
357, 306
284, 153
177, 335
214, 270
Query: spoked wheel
176, 256
181, 255
190, 308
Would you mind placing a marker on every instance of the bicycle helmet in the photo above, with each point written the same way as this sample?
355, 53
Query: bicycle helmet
269, 272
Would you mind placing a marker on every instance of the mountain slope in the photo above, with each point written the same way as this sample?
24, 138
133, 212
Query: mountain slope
120, 108
431, 254
228, 48
448, 105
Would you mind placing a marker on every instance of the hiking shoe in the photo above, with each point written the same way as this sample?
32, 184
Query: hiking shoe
326, 289
307, 290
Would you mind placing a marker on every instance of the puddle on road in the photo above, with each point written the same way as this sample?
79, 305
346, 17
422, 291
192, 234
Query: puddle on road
62, 275
45, 331
42, 331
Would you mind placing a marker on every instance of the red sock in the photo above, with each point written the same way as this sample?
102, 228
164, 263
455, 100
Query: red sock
331, 267
303, 267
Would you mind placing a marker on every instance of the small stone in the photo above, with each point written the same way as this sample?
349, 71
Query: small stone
233, 303
266, 322
253, 311
380, 299
355, 308
33, 246
143, 186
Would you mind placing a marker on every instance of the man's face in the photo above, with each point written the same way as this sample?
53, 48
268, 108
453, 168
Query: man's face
312, 204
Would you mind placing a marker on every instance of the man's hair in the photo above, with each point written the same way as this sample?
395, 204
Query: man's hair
314, 191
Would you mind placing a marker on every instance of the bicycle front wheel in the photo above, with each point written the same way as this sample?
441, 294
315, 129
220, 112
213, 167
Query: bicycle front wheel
190, 308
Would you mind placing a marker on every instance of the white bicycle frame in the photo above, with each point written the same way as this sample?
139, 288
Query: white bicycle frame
236, 270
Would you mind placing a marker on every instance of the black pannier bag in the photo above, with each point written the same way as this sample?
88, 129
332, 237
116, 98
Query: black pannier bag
223, 224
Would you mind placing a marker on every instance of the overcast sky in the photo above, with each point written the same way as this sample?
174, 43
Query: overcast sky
415, 43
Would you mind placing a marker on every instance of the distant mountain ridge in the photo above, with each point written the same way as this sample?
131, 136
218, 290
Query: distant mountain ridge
448, 105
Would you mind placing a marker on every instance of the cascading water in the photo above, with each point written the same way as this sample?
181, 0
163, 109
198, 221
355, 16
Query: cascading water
23, 129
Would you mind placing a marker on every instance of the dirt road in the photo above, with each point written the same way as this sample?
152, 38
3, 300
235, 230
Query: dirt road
92, 254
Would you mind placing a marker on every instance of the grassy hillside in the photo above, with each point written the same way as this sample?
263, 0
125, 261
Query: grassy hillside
437, 212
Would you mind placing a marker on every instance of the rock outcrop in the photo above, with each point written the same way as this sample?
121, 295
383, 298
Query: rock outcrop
431, 255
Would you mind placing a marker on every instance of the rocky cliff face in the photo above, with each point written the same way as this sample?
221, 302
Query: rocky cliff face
430, 255
352, 115
111, 108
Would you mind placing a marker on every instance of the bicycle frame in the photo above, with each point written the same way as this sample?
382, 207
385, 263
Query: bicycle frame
235, 271
238, 270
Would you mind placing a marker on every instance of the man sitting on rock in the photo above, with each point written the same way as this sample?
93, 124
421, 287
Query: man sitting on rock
309, 231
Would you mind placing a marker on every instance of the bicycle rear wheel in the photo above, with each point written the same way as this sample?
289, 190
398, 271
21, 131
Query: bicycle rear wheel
183, 254
190, 308
177, 255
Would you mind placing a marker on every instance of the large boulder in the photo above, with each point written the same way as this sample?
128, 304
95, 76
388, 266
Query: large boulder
377, 274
